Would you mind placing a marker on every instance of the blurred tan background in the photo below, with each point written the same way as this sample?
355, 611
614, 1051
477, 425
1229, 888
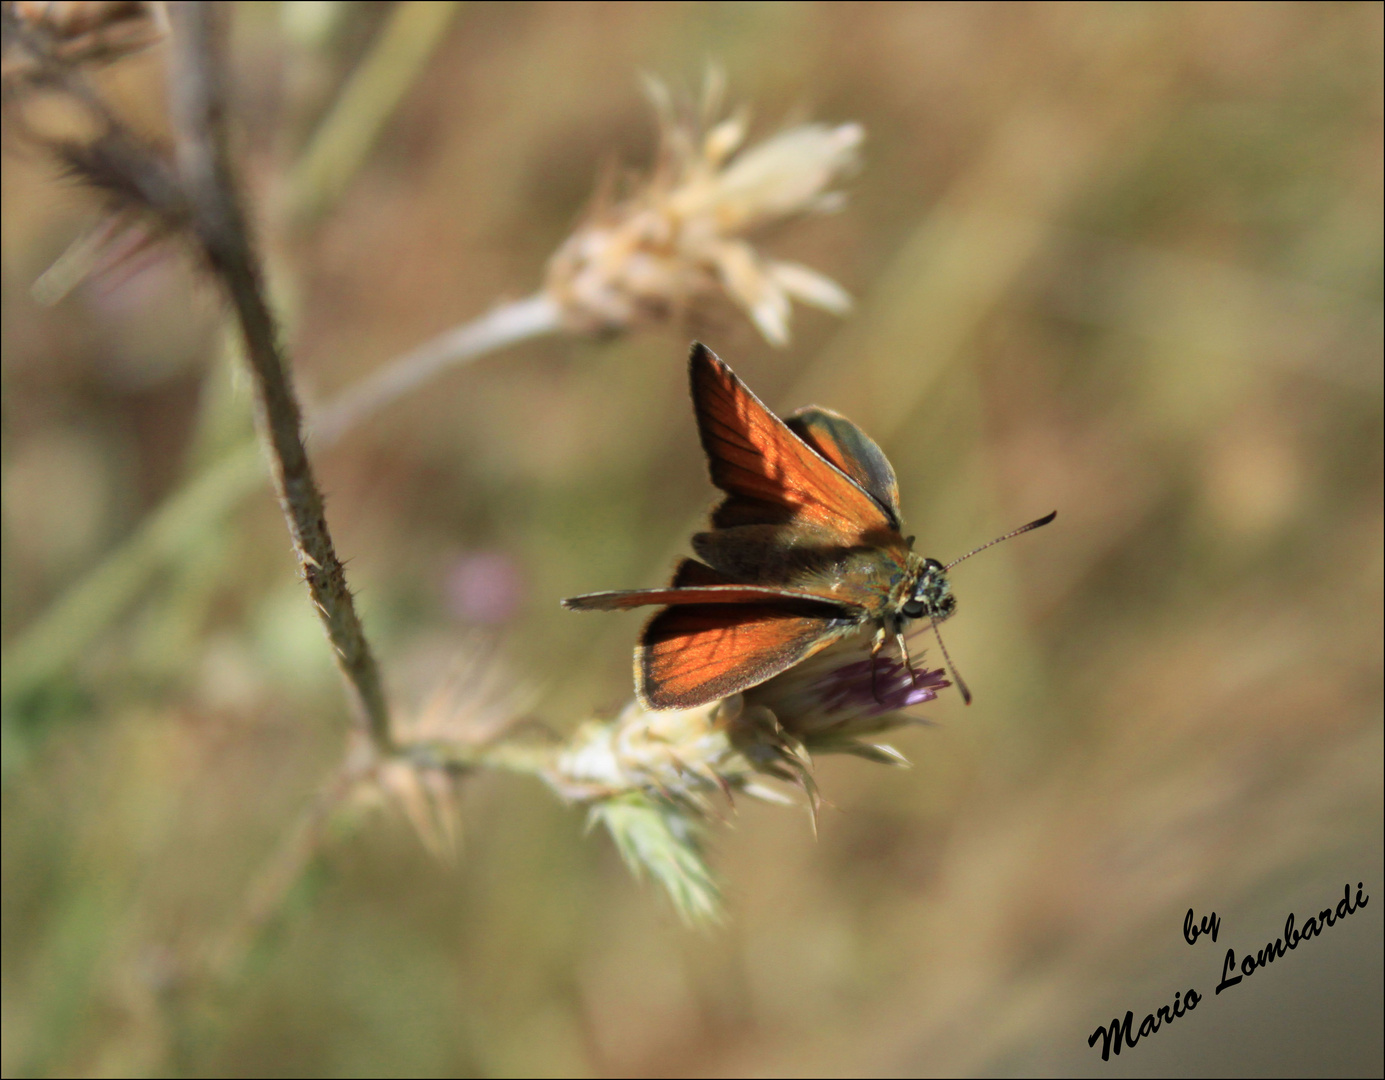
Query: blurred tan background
1119, 260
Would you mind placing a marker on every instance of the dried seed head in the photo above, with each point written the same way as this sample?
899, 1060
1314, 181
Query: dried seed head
52, 103
653, 779
681, 236
75, 32
478, 705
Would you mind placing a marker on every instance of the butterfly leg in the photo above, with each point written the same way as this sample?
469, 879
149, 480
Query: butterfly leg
904, 654
875, 647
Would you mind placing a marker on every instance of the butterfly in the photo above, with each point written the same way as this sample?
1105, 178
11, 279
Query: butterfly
806, 549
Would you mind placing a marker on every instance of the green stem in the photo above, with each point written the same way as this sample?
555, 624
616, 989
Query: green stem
363, 106
524, 758
65, 630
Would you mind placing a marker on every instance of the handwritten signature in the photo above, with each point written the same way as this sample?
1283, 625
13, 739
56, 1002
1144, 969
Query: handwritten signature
1124, 1033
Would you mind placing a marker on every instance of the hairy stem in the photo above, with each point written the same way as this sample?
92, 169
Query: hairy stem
218, 221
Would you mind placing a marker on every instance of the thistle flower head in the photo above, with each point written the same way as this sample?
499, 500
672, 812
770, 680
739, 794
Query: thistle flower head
837, 701
681, 236
683, 756
653, 778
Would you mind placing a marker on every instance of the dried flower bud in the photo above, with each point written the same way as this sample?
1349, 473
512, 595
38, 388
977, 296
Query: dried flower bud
76, 32
681, 236
477, 707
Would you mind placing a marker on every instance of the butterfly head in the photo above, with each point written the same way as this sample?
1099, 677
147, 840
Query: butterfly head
931, 597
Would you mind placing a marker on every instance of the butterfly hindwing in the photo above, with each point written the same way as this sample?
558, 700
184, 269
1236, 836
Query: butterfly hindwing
853, 451
691, 655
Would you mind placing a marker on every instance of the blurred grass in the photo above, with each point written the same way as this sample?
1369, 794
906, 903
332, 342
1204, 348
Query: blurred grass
1121, 260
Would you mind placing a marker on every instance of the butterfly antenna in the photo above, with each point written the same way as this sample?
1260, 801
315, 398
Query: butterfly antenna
1022, 529
952, 669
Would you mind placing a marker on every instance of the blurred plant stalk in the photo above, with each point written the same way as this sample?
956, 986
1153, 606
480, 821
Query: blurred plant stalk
332, 156
343, 141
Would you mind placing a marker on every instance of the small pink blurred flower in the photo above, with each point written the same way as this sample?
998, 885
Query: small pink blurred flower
483, 587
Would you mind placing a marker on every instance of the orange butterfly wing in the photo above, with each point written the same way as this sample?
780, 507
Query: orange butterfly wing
691, 655
772, 477
824, 494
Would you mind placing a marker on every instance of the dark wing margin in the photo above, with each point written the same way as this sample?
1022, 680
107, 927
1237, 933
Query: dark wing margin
691, 573
853, 451
769, 473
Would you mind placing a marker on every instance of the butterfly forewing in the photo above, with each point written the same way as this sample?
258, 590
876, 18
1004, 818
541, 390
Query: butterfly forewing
689, 655
771, 475
711, 595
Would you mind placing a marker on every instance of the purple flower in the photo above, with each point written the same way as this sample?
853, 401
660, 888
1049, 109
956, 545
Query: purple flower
832, 700
872, 687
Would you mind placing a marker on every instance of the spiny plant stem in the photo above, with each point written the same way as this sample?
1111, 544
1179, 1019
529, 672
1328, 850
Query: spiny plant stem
218, 221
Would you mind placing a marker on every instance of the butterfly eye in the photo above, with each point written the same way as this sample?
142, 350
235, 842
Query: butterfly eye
912, 609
